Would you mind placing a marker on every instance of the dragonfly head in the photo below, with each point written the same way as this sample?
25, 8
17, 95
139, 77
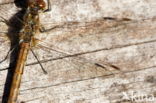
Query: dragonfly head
36, 5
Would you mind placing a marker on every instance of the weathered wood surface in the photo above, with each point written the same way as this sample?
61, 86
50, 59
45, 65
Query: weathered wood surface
129, 45
6, 1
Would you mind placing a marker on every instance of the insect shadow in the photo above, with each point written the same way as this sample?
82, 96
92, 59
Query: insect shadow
15, 24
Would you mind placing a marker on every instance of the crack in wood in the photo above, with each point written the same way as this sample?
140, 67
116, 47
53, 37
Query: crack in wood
108, 75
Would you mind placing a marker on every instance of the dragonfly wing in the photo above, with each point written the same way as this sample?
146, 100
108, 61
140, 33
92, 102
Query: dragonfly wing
65, 34
76, 59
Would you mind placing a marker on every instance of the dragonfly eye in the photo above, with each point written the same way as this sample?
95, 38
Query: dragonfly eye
41, 6
37, 3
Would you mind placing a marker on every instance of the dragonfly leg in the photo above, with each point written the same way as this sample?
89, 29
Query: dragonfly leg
42, 29
44, 71
49, 6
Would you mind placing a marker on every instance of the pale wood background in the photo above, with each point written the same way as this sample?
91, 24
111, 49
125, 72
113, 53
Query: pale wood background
129, 45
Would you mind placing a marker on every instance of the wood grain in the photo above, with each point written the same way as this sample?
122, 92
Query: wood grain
79, 28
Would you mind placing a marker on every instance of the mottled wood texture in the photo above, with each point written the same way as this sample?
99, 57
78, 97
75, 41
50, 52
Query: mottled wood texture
80, 27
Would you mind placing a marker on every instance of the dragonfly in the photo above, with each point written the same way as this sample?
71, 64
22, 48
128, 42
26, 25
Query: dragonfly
30, 28
29, 40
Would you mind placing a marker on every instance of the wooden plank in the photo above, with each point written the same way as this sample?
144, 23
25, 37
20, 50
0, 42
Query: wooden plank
130, 45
